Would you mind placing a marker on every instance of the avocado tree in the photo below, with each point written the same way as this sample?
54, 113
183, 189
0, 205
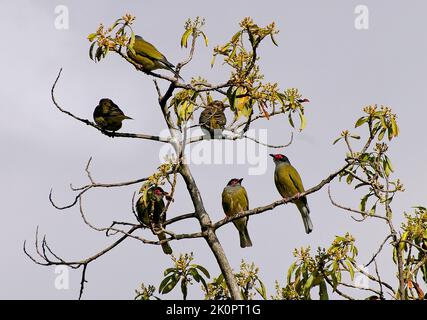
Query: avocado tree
249, 98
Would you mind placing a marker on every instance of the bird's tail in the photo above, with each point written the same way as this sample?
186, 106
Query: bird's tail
305, 214
165, 246
169, 66
245, 240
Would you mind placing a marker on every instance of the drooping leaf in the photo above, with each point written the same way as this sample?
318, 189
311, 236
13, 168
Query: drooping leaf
184, 38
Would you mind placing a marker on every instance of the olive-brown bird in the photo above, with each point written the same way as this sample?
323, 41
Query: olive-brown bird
234, 201
150, 212
288, 183
108, 115
213, 119
147, 55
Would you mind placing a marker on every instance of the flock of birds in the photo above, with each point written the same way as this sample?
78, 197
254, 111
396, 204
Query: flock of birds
108, 116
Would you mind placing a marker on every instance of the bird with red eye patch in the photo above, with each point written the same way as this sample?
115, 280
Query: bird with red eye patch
288, 183
150, 211
235, 201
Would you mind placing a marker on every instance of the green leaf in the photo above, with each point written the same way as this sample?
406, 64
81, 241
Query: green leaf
273, 40
381, 135
350, 269
91, 50
184, 38
236, 36
373, 209
291, 270
169, 270
303, 121
92, 36
323, 291
205, 38
363, 202
394, 127
213, 60
165, 281
204, 270
361, 121
309, 282
349, 179
99, 53
262, 290
184, 288
336, 140
169, 287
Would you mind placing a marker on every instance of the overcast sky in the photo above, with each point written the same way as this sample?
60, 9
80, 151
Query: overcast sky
339, 68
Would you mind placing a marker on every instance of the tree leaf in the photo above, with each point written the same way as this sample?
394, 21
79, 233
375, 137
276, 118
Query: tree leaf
184, 288
361, 121
205, 38
169, 287
273, 40
184, 38
164, 282
323, 291
91, 50
92, 36
290, 271
203, 269
350, 269
336, 140
303, 121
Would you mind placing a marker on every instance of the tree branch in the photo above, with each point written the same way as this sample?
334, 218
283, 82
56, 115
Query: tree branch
107, 133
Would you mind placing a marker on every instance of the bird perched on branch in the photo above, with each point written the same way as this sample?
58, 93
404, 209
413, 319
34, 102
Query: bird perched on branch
234, 201
288, 183
108, 115
150, 212
213, 119
145, 54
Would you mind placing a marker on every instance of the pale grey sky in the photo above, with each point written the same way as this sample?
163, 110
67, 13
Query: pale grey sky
340, 69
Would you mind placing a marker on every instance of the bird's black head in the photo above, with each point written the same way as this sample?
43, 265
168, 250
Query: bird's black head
278, 158
105, 101
234, 182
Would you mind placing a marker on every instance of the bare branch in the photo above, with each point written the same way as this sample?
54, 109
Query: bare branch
364, 214
107, 133
379, 250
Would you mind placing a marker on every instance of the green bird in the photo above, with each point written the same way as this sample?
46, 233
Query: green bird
149, 57
234, 201
149, 212
288, 183
213, 119
108, 115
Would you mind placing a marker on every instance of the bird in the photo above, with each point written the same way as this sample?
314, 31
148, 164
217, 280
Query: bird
150, 211
288, 183
234, 201
108, 116
213, 119
147, 55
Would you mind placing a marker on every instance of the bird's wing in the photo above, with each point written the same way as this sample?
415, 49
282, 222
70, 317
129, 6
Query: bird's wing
226, 202
115, 110
146, 49
296, 179
245, 194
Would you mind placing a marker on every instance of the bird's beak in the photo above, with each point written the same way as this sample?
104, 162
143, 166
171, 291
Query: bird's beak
240, 180
271, 155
